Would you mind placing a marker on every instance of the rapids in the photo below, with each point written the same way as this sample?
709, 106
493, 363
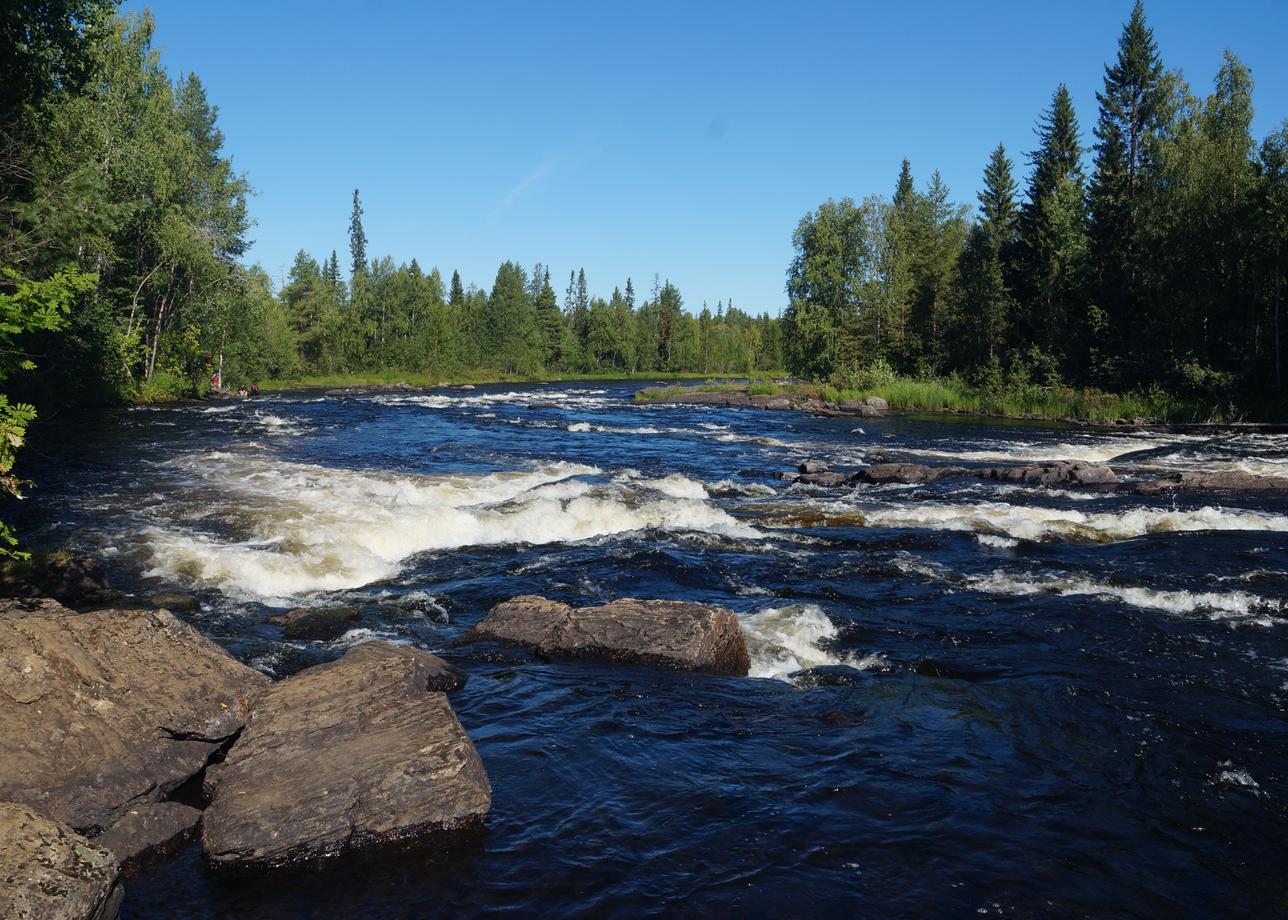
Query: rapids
966, 697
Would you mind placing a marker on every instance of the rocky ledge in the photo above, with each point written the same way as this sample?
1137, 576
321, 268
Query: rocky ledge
1056, 473
104, 711
346, 755
668, 634
1225, 481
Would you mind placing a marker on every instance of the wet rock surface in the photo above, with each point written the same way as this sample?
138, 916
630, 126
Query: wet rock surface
669, 634
101, 712
49, 872
317, 622
175, 601
149, 832
1224, 481
1060, 472
346, 755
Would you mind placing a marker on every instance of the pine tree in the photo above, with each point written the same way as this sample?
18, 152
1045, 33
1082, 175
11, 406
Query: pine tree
357, 238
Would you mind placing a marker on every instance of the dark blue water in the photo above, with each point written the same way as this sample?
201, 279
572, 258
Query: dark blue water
969, 698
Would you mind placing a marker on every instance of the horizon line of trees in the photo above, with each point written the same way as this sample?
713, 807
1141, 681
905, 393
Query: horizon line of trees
1161, 266
397, 316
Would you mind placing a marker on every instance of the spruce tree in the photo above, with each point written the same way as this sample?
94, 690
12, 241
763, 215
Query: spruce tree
997, 207
456, 297
1131, 108
1053, 230
357, 238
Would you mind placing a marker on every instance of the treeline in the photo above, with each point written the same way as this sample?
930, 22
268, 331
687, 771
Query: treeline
398, 316
1159, 266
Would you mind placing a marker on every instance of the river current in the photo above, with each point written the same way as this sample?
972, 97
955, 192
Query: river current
967, 698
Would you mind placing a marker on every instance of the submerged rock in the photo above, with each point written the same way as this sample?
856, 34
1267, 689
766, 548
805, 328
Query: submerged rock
828, 478
316, 622
1224, 481
100, 712
49, 872
179, 601
342, 756
669, 634
150, 831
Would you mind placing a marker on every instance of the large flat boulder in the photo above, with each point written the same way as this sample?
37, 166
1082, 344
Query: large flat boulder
103, 711
49, 872
346, 755
670, 634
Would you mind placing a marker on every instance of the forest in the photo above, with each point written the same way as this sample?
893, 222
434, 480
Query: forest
1149, 262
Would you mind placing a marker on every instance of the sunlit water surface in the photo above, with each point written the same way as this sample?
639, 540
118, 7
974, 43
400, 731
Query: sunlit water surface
966, 698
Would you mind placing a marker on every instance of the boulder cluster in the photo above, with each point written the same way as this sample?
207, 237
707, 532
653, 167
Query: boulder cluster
125, 733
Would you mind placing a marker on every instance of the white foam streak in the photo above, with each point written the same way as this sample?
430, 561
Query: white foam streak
1027, 522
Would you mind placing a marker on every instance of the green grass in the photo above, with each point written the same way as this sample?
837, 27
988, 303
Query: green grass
911, 394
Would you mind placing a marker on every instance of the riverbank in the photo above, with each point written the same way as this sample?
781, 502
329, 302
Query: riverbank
1062, 404
426, 380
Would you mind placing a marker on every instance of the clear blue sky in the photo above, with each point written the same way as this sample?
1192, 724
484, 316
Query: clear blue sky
685, 139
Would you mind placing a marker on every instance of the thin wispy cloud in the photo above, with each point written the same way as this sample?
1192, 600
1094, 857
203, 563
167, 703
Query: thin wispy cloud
535, 175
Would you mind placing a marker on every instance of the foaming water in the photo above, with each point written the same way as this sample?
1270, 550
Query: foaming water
785, 640
309, 528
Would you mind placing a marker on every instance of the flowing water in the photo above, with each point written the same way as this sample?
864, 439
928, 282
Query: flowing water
966, 698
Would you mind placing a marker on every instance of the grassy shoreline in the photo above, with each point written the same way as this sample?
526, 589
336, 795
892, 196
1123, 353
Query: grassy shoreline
1048, 404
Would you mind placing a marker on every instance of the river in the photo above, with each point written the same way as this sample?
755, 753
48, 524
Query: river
967, 698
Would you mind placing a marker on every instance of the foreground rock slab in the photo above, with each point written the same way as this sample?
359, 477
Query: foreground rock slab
103, 711
49, 872
149, 832
669, 634
346, 755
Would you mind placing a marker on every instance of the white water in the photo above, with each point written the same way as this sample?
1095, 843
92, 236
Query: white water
1029, 522
1237, 607
784, 640
306, 528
